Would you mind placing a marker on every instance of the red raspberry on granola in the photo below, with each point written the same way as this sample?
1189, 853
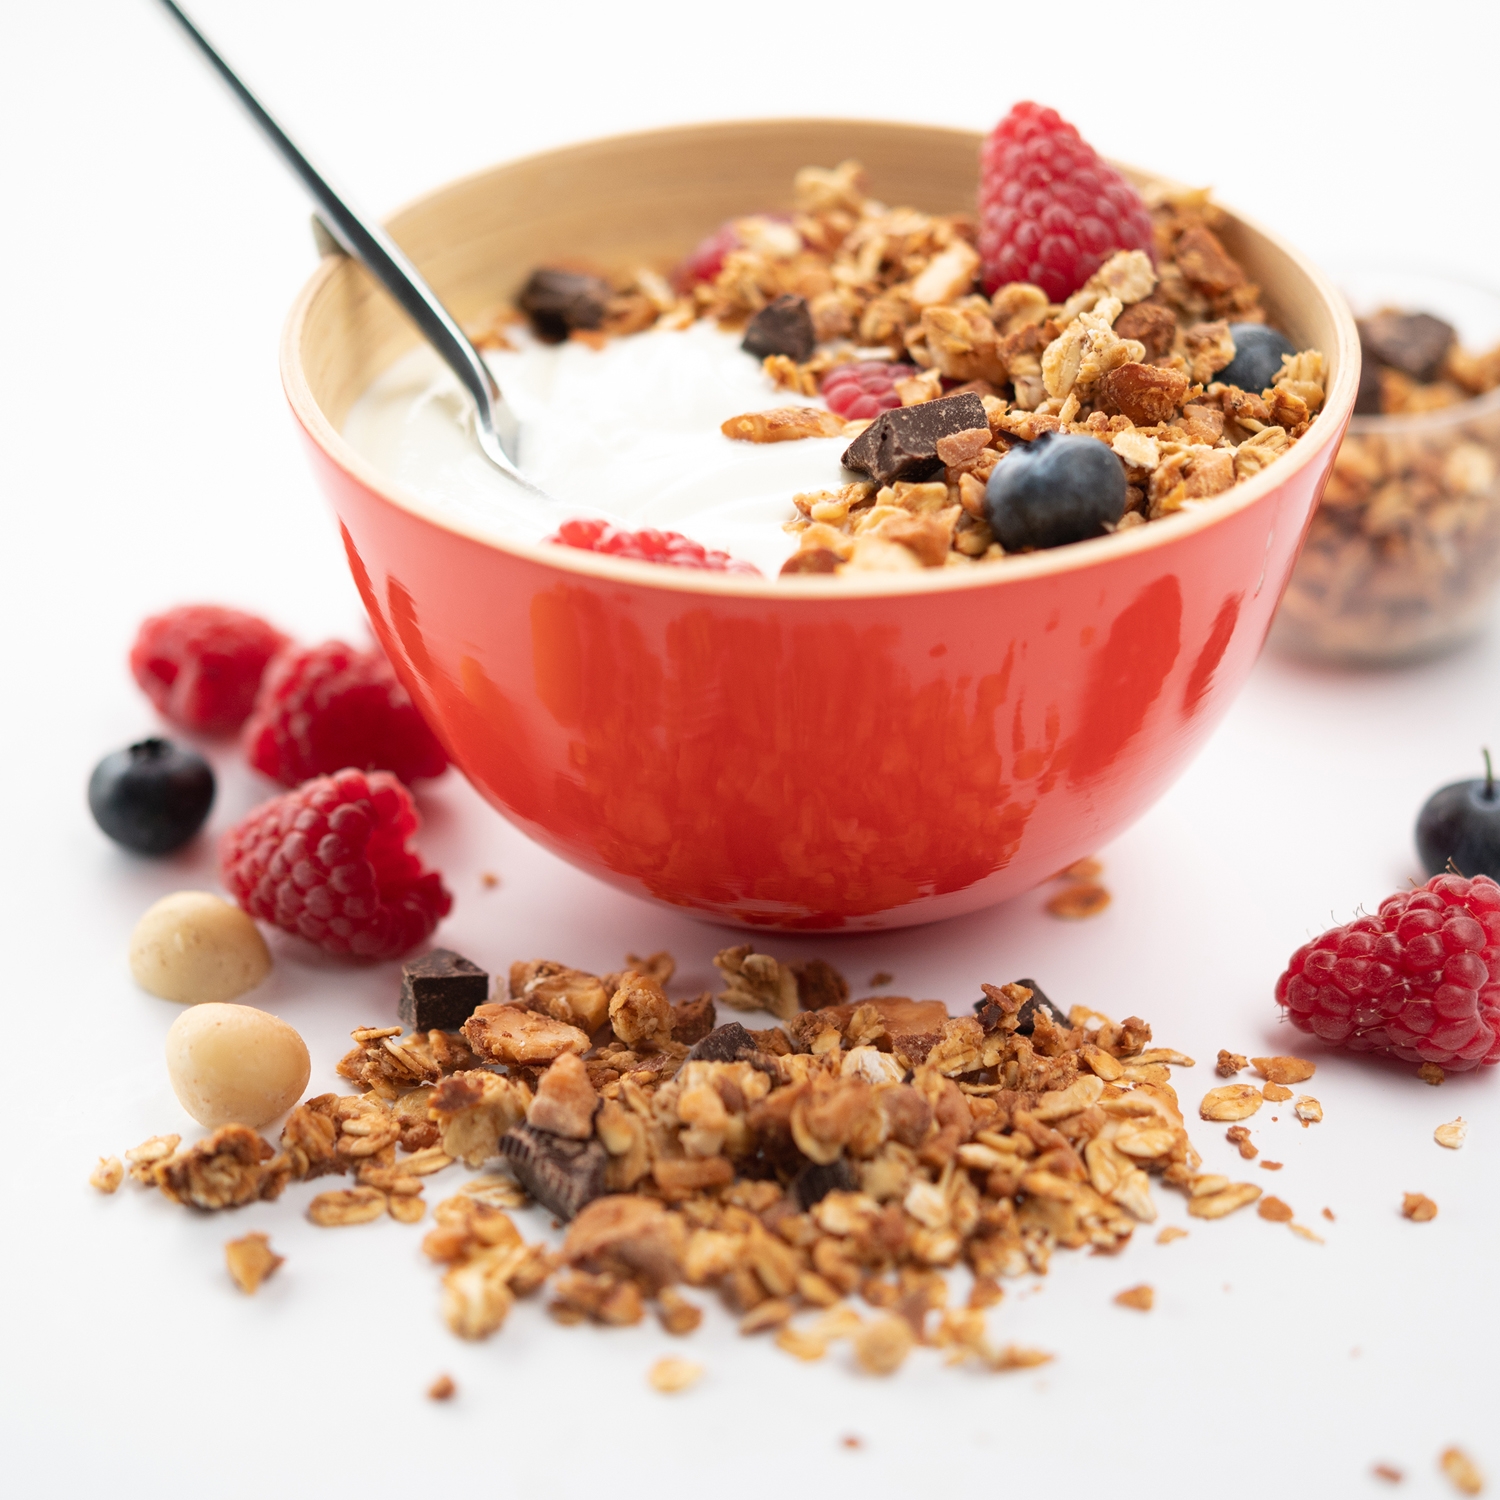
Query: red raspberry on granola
1051, 210
865, 389
329, 862
1419, 980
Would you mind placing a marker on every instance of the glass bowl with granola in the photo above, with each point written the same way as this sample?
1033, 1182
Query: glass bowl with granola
1403, 555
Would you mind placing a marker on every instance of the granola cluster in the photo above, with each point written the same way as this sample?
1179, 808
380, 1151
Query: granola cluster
1129, 360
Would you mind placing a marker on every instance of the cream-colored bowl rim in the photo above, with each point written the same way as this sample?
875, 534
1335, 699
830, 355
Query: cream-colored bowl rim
1075, 557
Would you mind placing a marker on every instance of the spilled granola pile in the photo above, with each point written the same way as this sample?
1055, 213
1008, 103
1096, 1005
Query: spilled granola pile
1131, 360
853, 1150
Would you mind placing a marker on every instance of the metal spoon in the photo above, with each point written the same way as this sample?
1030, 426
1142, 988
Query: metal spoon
494, 422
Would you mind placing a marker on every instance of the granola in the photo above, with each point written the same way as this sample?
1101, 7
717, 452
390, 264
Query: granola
1129, 360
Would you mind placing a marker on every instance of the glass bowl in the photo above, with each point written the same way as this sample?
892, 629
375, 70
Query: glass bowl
1403, 555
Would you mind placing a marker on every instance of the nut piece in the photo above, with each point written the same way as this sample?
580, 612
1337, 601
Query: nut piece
1075, 902
782, 424
442, 1389
1275, 1210
1284, 1069
192, 946
672, 1375
1418, 1207
1142, 1298
565, 1100
108, 1175
565, 994
233, 1064
507, 1034
1308, 1110
251, 1260
881, 1347
1450, 1135
1234, 1101
1462, 1472
640, 1013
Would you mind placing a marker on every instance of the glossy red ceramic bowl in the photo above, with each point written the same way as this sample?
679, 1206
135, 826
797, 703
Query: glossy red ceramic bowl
814, 753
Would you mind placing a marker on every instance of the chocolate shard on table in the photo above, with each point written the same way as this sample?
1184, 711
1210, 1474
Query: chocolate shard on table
557, 302
902, 444
814, 1183
440, 991
785, 326
1414, 343
561, 1174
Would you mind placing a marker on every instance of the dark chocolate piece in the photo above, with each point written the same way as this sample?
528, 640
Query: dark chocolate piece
1038, 1004
560, 1174
440, 991
814, 1183
783, 327
819, 984
727, 1043
902, 444
692, 1020
557, 302
1414, 343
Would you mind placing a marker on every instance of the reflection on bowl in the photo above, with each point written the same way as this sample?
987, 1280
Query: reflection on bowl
815, 753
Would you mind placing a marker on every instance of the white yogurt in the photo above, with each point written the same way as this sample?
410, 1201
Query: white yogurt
629, 432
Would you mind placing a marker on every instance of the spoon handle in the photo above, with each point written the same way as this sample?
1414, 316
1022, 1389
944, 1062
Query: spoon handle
380, 255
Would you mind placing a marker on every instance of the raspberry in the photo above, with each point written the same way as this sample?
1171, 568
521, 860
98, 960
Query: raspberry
707, 258
324, 707
1051, 212
864, 390
670, 548
329, 862
200, 664
1419, 980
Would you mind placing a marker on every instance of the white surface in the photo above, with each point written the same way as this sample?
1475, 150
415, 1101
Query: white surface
148, 227
629, 432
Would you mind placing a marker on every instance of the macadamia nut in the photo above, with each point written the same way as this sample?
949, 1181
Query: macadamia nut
192, 947
235, 1065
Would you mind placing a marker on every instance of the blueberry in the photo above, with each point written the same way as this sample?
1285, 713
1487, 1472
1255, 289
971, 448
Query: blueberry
1461, 824
1258, 351
151, 797
1059, 489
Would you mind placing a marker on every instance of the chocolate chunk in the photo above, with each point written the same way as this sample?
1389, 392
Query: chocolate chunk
784, 327
560, 1174
727, 1043
1414, 343
440, 991
814, 1183
692, 1020
1038, 1004
557, 302
819, 984
902, 444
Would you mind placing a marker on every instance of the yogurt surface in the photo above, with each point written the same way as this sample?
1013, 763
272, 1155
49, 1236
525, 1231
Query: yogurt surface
629, 432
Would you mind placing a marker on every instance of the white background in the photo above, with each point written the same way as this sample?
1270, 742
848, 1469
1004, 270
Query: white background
150, 247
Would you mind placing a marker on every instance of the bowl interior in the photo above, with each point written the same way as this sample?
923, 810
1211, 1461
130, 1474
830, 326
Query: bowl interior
635, 200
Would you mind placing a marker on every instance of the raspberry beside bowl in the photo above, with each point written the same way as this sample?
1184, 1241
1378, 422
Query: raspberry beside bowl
810, 753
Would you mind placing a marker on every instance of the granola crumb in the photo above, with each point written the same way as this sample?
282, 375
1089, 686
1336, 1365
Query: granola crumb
489, 880
1284, 1069
1388, 1472
850, 1440
108, 1175
1170, 1233
1274, 1210
1015, 1357
1271, 1166
1230, 1063
1463, 1473
1328, 1214
677, 1315
1142, 1298
1450, 1135
1082, 869
1076, 902
985, 1292
877, 981
1307, 1234
1418, 1207
1275, 1093
1308, 1110
1239, 1137
671, 1375
251, 1260
1431, 1073
442, 1389
881, 1346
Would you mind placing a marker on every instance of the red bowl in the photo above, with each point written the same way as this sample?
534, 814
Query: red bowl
814, 753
